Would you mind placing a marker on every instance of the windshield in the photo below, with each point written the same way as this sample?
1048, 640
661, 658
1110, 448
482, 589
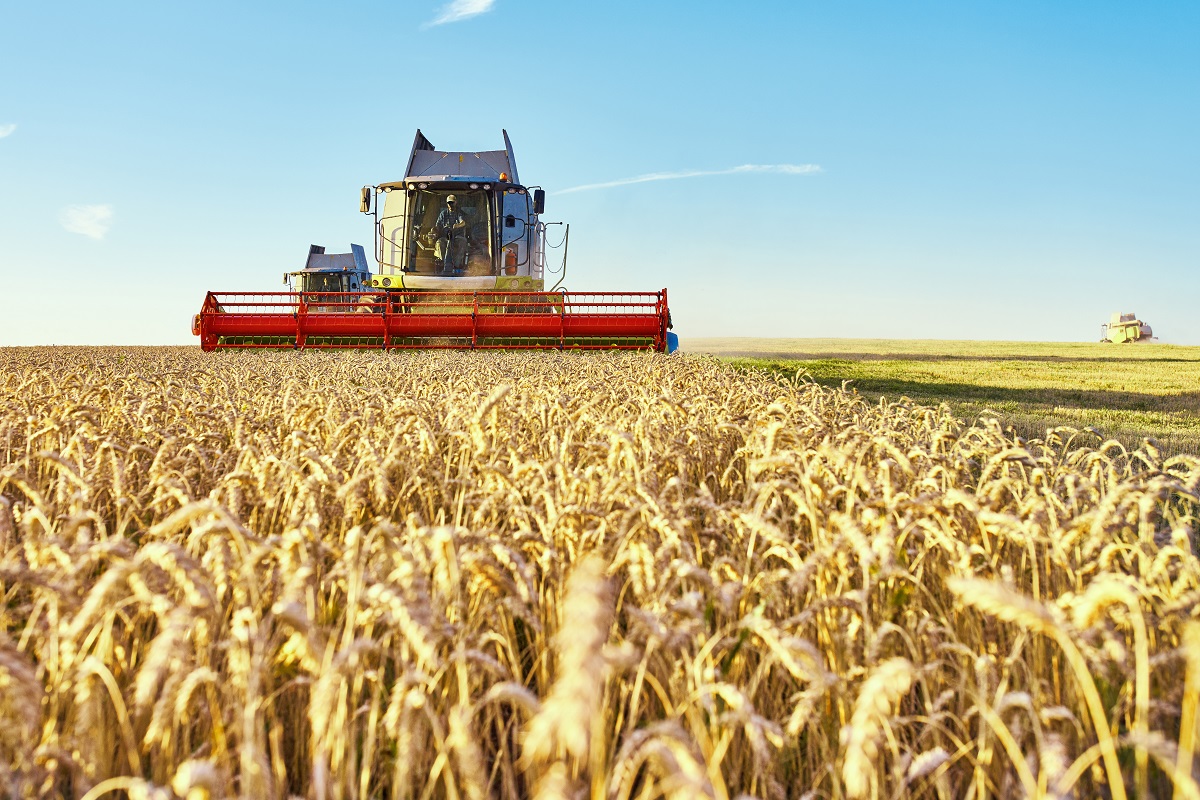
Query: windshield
320, 282
450, 232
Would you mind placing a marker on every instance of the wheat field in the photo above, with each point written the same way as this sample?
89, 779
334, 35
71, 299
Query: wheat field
459, 575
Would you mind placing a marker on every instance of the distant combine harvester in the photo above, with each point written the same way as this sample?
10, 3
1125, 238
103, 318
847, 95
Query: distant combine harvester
1124, 328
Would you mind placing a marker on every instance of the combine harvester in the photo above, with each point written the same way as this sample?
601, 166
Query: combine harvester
1125, 328
461, 251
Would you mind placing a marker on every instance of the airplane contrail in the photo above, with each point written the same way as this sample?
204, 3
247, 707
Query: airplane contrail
785, 169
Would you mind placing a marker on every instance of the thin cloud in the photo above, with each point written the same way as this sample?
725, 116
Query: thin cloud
783, 169
91, 221
5, 130
458, 10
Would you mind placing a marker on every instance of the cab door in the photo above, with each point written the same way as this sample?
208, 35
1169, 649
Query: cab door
515, 230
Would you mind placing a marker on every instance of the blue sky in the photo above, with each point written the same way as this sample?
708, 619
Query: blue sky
974, 170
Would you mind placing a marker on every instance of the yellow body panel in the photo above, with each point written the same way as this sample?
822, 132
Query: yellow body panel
430, 283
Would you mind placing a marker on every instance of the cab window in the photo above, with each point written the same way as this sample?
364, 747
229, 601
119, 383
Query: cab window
438, 248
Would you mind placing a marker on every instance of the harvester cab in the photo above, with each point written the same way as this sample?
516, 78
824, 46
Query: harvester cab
458, 221
461, 254
331, 272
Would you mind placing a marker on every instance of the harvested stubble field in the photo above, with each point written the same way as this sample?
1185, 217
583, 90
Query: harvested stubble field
610, 576
1125, 392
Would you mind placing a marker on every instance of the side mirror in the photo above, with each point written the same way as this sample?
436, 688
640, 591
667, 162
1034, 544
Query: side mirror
364, 200
539, 201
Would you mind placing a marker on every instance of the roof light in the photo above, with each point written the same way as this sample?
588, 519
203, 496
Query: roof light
504, 176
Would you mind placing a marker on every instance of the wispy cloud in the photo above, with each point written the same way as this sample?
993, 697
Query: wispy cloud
5, 130
458, 10
785, 169
92, 221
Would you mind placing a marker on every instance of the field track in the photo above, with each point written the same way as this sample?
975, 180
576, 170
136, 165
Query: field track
353, 575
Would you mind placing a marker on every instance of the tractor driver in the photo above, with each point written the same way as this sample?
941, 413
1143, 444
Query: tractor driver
450, 232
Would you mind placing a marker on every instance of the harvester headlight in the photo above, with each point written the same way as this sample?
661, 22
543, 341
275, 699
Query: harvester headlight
387, 281
474, 185
487, 186
422, 185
